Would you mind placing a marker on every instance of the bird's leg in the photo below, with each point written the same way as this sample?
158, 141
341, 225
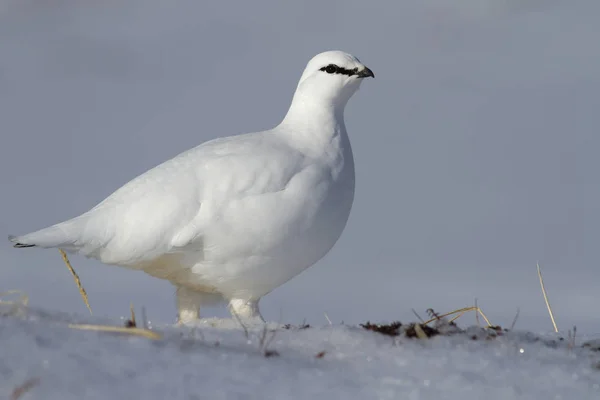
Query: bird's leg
188, 305
246, 311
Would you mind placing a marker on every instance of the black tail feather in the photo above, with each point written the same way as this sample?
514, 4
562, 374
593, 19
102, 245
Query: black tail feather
22, 246
19, 245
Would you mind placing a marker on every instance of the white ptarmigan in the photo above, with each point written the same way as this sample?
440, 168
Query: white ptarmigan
238, 216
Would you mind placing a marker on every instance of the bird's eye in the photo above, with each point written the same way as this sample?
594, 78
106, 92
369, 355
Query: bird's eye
330, 69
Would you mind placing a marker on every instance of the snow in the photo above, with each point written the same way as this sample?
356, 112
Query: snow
205, 362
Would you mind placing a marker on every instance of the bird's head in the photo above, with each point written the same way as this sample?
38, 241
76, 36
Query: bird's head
332, 78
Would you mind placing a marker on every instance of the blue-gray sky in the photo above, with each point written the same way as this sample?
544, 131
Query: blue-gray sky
475, 146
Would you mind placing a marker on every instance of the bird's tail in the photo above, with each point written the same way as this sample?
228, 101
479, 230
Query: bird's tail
17, 242
61, 235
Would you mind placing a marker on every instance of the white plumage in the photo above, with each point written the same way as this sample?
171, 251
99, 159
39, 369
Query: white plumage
238, 216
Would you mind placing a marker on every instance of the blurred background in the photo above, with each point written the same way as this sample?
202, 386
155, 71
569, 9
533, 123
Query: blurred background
475, 146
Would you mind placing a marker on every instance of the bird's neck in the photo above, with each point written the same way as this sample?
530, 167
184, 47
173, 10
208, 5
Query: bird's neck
314, 124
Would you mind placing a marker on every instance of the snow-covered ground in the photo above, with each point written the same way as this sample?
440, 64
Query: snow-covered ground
326, 362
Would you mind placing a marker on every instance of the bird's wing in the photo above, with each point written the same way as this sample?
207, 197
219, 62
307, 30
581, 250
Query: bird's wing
162, 210
235, 169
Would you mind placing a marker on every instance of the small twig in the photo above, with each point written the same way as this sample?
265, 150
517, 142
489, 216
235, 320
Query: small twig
432, 314
512, 326
118, 329
457, 316
477, 314
417, 315
539, 271
327, 318
460, 311
133, 323
77, 280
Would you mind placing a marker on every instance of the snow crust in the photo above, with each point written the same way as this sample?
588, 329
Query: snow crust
327, 362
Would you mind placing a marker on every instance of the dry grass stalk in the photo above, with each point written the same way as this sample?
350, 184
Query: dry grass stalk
418, 316
512, 326
539, 271
77, 280
118, 329
457, 316
460, 312
132, 314
420, 332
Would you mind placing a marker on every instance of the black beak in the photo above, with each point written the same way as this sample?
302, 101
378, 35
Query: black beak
365, 73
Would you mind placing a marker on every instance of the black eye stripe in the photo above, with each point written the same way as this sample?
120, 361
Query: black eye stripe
334, 69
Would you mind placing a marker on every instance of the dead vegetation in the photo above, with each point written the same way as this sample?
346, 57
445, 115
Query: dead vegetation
412, 330
423, 330
392, 329
442, 327
302, 326
82, 291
